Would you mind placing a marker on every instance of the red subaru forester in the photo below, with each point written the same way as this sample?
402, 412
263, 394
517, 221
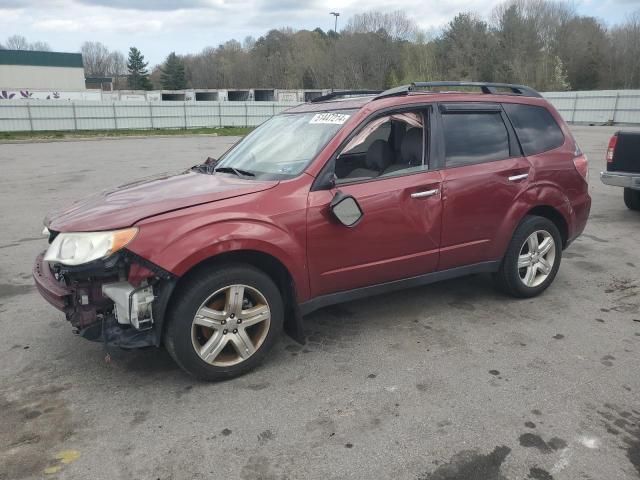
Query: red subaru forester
356, 194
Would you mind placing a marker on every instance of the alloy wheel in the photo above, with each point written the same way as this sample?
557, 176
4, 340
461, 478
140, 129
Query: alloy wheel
537, 258
230, 325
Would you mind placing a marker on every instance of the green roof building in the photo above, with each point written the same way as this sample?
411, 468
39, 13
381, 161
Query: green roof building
33, 70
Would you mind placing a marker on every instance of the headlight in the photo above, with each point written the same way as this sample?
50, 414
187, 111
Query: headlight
85, 247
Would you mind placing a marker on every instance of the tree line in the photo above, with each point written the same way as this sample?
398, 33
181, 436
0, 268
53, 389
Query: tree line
542, 43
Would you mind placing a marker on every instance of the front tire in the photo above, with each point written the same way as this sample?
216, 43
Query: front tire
632, 198
532, 259
223, 322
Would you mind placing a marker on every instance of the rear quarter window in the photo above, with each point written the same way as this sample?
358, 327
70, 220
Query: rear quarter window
535, 127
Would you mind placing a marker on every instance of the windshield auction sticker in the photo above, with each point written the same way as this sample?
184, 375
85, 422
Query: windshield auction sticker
332, 118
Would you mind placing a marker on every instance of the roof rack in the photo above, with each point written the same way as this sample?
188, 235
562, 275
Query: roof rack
345, 94
486, 88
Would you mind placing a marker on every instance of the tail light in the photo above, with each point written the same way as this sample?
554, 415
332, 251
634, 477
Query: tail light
581, 163
611, 148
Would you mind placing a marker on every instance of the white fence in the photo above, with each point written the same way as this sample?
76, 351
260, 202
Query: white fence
598, 107
41, 115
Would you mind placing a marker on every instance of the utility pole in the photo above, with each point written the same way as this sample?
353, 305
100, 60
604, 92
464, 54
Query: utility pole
335, 41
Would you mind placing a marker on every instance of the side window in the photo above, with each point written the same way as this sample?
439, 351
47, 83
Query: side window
383, 132
474, 138
386, 146
535, 127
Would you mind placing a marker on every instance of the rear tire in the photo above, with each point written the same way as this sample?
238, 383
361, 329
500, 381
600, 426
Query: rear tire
532, 259
224, 321
632, 199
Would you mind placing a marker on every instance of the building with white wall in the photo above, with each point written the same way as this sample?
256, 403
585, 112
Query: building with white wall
25, 70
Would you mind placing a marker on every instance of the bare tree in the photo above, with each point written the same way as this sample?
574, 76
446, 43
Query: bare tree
248, 43
95, 57
99, 61
155, 77
201, 69
40, 46
118, 64
624, 68
18, 42
397, 24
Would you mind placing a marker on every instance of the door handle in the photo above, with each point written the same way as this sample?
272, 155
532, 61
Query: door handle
426, 193
515, 178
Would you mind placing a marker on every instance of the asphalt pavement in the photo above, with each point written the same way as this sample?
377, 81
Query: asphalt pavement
452, 381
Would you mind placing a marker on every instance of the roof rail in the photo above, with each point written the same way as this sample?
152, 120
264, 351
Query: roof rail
487, 88
345, 94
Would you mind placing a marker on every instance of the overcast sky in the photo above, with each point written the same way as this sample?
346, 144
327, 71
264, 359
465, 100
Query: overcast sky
158, 27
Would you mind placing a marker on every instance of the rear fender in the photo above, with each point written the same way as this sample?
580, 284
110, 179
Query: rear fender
537, 195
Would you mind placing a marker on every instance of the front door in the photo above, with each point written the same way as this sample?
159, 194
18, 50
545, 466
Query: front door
385, 168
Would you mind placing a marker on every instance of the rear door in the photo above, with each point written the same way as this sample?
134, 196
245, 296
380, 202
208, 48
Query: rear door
483, 173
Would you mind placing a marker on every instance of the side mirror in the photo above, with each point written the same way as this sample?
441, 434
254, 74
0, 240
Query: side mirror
346, 209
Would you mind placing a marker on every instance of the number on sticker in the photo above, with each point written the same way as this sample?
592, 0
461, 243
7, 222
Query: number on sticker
332, 118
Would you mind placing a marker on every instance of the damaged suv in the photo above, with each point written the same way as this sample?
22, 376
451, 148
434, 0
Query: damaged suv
354, 194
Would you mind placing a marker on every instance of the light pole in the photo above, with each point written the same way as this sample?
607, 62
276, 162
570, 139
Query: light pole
335, 41
336, 15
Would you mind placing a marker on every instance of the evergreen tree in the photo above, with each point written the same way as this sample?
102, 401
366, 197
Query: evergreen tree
138, 74
173, 77
308, 78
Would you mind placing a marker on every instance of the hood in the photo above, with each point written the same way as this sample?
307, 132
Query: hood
125, 205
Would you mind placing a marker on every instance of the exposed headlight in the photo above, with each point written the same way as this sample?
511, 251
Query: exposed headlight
85, 247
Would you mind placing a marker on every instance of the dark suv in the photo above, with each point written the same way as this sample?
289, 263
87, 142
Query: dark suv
353, 195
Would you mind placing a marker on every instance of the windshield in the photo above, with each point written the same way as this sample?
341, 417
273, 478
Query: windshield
282, 147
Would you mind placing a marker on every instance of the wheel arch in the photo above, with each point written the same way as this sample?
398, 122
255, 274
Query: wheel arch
542, 199
555, 216
526, 207
265, 262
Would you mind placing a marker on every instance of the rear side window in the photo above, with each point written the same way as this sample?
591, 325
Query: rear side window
536, 128
474, 138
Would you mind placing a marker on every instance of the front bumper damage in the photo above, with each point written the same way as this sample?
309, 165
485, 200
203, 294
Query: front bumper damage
120, 301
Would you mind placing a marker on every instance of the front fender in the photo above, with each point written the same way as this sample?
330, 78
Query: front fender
179, 249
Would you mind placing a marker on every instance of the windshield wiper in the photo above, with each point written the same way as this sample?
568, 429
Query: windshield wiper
236, 171
207, 167
202, 168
